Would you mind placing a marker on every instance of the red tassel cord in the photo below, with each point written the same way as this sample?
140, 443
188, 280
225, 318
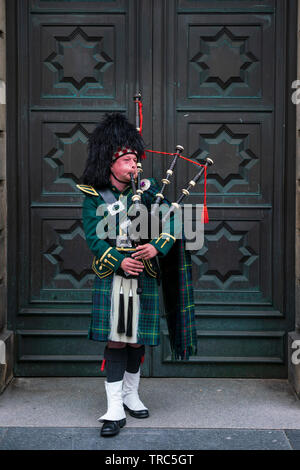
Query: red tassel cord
142, 359
141, 116
204, 215
181, 156
103, 365
143, 157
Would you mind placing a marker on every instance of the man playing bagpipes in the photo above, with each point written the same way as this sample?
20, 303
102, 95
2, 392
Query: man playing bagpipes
125, 301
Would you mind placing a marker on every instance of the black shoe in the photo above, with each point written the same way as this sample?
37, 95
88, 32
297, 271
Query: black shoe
111, 428
137, 414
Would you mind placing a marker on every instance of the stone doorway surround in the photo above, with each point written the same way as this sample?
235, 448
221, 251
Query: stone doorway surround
6, 336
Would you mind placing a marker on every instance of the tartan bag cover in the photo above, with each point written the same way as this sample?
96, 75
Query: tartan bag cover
178, 295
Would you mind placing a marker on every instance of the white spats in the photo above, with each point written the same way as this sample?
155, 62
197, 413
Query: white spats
115, 409
130, 391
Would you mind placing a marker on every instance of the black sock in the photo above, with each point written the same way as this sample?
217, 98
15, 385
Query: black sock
115, 363
134, 358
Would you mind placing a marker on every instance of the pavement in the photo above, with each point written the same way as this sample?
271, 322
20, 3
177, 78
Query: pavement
185, 414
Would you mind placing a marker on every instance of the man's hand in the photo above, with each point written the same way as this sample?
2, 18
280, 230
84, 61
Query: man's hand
146, 251
131, 266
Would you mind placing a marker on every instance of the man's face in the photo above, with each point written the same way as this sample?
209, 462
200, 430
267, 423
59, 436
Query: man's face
123, 166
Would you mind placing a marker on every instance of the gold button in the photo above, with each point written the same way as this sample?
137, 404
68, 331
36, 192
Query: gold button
168, 239
105, 261
97, 262
100, 268
109, 255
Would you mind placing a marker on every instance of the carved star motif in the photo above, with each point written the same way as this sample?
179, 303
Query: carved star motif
223, 60
79, 60
234, 154
64, 256
230, 247
71, 146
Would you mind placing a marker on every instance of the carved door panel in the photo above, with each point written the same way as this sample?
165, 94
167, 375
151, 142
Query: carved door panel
78, 61
212, 80
225, 99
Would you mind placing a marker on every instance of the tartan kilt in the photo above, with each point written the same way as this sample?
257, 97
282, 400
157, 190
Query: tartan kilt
148, 332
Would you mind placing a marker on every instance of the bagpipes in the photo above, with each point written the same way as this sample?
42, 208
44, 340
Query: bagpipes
174, 269
137, 189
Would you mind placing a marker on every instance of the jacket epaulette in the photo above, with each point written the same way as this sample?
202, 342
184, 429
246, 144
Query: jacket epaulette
87, 189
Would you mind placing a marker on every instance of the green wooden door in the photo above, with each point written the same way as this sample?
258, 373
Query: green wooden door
212, 77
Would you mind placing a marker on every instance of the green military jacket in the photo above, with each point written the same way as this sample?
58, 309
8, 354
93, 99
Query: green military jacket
107, 258
174, 262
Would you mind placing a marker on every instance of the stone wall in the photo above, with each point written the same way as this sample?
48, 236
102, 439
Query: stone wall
294, 337
6, 337
297, 261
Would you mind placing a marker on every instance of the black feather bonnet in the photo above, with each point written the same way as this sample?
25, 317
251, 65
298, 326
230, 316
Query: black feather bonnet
112, 134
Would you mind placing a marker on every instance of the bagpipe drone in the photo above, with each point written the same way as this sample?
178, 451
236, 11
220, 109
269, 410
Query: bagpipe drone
138, 189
